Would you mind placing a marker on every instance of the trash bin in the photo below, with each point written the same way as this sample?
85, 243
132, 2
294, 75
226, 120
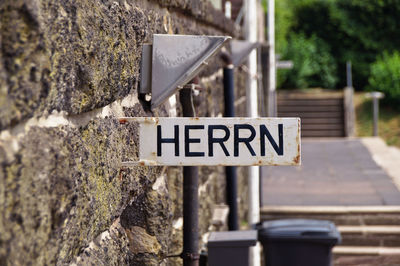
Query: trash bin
230, 247
298, 242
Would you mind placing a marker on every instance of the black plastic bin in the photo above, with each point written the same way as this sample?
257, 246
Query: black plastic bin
230, 247
298, 242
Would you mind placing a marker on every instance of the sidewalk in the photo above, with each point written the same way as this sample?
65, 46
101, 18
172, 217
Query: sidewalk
335, 172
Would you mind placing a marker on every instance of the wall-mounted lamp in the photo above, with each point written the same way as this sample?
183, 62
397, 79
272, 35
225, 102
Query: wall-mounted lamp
172, 61
241, 50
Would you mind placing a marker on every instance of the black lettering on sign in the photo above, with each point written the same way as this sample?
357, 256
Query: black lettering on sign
237, 139
161, 140
188, 140
265, 132
212, 140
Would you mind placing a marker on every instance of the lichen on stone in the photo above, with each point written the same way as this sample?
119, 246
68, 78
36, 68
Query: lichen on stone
63, 196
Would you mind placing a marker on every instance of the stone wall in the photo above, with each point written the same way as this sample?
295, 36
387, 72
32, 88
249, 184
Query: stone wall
68, 70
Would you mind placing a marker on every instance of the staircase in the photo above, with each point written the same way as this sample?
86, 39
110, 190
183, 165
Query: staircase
370, 234
322, 112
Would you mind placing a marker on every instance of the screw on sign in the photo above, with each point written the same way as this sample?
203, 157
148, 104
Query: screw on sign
218, 141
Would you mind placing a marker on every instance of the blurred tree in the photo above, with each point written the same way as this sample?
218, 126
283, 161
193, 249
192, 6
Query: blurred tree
385, 77
313, 65
371, 27
283, 23
355, 30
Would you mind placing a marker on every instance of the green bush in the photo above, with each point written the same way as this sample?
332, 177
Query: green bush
313, 66
385, 76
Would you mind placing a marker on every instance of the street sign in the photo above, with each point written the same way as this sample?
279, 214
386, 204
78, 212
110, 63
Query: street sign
284, 64
217, 141
375, 94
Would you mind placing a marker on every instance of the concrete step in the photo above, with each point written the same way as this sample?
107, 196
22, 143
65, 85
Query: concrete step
380, 236
310, 94
366, 256
312, 108
365, 251
316, 106
383, 260
340, 215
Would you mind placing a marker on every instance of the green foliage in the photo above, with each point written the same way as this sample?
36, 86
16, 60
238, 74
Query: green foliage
323, 19
283, 23
375, 24
313, 64
370, 27
385, 76
353, 30
389, 120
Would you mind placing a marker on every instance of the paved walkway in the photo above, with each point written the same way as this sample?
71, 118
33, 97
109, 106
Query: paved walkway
338, 172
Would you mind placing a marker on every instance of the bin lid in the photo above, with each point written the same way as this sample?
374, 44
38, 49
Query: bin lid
233, 238
300, 229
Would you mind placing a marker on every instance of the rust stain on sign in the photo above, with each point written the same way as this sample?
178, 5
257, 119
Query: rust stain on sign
122, 121
296, 160
218, 141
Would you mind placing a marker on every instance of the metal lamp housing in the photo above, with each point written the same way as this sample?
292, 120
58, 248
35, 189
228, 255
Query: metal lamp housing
172, 61
241, 50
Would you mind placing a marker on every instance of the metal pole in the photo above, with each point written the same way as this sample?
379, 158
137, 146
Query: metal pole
252, 111
272, 108
375, 107
228, 9
190, 196
349, 74
229, 94
230, 171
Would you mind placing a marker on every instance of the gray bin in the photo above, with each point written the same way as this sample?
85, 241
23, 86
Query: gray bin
298, 242
230, 247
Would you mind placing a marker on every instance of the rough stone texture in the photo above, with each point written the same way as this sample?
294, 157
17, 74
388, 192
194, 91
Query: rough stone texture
76, 56
202, 11
106, 249
24, 65
64, 188
63, 197
67, 56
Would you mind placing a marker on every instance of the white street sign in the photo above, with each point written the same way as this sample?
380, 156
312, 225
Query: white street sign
217, 141
284, 64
